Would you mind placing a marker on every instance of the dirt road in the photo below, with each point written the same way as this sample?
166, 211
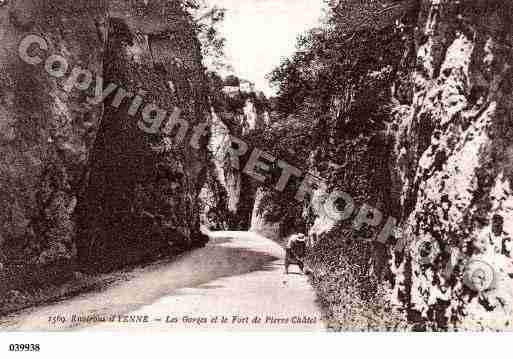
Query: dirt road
235, 283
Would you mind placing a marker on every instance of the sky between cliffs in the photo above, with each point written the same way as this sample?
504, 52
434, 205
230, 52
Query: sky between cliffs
260, 33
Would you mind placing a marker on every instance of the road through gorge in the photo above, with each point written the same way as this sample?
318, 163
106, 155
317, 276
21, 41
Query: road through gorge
235, 283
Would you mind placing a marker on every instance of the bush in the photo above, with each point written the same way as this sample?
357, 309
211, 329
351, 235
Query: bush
353, 298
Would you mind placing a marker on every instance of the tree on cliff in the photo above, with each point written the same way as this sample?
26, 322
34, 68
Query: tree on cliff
350, 16
334, 97
207, 20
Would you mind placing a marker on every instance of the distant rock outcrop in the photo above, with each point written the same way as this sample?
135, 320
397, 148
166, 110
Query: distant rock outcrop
238, 113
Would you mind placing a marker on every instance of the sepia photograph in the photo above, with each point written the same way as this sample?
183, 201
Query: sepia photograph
279, 166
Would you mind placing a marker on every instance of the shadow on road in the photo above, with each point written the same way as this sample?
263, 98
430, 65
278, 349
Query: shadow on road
146, 284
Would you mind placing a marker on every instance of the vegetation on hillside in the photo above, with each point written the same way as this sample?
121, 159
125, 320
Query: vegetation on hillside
336, 95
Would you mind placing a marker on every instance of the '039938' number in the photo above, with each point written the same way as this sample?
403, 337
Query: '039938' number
24, 347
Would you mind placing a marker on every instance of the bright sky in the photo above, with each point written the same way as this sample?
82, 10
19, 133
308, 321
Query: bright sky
260, 33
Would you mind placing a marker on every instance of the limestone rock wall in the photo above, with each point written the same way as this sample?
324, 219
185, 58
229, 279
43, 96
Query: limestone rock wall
46, 133
148, 168
230, 195
453, 160
106, 180
221, 192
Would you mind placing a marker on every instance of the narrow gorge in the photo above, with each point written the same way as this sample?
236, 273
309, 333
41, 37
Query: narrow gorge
404, 106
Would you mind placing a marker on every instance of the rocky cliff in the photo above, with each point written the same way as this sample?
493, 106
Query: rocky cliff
96, 164
414, 114
47, 132
149, 164
238, 115
447, 118
452, 161
446, 141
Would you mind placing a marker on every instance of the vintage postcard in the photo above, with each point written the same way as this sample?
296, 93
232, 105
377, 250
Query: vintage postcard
256, 165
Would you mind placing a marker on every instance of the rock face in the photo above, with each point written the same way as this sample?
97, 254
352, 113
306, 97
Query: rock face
149, 164
229, 177
103, 180
453, 168
424, 135
449, 151
229, 195
233, 189
46, 133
